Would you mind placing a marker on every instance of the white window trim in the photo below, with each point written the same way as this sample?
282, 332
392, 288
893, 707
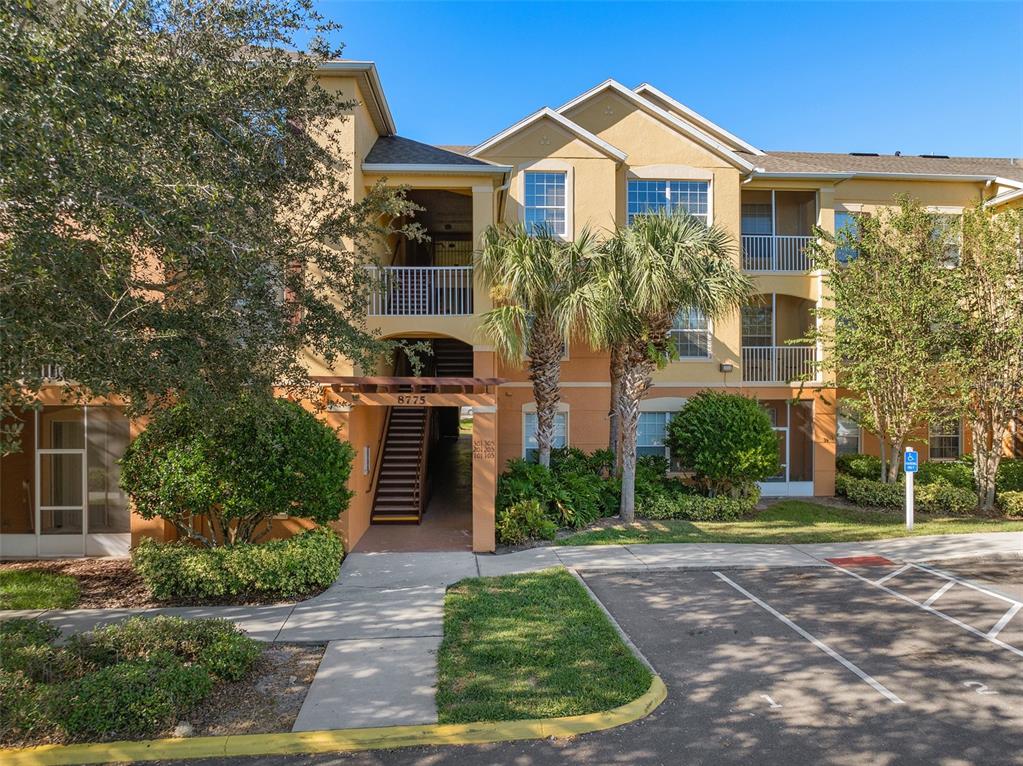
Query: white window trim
667, 450
710, 346
529, 408
690, 177
549, 165
859, 435
931, 434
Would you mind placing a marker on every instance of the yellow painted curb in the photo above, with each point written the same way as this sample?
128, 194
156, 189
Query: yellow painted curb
340, 740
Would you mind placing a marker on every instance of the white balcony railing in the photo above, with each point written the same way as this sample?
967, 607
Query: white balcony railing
421, 291
770, 252
778, 364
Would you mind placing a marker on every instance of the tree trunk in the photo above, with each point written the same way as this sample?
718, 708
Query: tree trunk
884, 458
545, 352
894, 458
614, 431
636, 378
988, 433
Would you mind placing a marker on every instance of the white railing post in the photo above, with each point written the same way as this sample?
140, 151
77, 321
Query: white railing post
421, 291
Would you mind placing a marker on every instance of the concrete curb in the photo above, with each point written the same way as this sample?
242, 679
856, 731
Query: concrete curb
340, 740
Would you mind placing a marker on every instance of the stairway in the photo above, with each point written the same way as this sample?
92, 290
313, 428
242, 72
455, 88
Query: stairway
401, 481
452, 358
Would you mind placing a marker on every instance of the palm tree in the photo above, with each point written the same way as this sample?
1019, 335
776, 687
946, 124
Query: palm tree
647, 273
540, 286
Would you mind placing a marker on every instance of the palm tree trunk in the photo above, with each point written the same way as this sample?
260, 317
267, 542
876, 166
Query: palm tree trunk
616, 369
637, 376
545, 352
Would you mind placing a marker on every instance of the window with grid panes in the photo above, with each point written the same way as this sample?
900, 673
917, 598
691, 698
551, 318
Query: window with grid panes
652, 433
691, 333
529, 436
545, 201
945, 439
692, 197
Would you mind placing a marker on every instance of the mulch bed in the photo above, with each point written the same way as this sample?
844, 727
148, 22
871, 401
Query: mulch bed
268, 700
112, 583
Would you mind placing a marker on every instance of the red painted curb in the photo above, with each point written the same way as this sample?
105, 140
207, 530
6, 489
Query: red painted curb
861, 561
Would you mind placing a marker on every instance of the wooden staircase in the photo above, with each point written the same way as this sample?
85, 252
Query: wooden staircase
401, 486
452, 358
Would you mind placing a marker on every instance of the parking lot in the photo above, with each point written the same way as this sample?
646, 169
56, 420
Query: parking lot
850, 664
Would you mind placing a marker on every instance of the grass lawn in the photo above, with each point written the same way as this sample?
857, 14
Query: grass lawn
791, 521
530, 646
30, 589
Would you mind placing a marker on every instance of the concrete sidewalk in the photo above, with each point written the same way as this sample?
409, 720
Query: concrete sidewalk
382, 620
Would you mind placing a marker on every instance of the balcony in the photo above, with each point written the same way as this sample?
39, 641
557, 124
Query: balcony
421, 291
775, 252
778, 364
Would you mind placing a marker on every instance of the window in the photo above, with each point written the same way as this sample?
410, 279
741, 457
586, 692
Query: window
691, 333
847, 439
545, 202
529, 435
757, 325
845, 230
652, 433
945, 439
756, 218
947, 233
692, 197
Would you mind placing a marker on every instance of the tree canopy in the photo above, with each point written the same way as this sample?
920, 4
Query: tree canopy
177, 216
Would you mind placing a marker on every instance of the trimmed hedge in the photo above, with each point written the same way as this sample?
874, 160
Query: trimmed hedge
525, 520
675, 501
1011, 504
939, 498
285, 568
133, 679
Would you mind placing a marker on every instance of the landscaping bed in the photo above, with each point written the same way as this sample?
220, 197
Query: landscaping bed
96, 583
787, 522
531, 646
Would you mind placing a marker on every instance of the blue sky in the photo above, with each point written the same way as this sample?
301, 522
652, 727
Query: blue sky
942, 78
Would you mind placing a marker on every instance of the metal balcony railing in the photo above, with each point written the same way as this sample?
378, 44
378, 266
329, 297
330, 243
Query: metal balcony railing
778, 364
421, 291
773, 252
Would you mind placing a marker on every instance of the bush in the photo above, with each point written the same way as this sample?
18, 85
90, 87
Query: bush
280, 568
726, 440
125, 680
944, 499
1011, 504
577, 490
673, 500
859, 466
261, 457
132, 699
957, 473
1010, 475
523, 521
940, 498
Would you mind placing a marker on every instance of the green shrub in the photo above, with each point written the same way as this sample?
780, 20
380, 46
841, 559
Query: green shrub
26, 708
1011, 504
957, 473
726, 440
523, 521
22, 632
280, 568
133, 699
944, 499
259, 458
217, 645
673, 500
859, 466
940, 497
1010, 475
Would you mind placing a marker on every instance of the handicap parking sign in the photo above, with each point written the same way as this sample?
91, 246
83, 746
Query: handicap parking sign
911, 461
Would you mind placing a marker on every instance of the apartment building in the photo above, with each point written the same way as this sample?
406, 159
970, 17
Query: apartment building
606, 155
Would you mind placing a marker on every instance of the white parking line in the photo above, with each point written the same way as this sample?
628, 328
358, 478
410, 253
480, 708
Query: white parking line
938, 593
890, 575
881, 688
945, 575
932, 610
1004, 621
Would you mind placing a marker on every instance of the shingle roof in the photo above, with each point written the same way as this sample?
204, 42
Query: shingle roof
395, 150
826, 162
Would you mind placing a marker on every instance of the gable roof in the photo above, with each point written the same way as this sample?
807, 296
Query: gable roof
704, 139
646, 90
369, 83
810, 164
397, 150
547, 113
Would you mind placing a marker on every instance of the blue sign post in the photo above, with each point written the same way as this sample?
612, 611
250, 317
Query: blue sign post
910, 464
